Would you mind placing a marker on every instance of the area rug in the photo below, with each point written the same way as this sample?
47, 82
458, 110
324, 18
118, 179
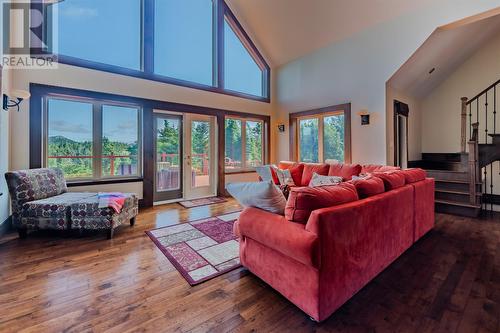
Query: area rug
202, 249
201, 202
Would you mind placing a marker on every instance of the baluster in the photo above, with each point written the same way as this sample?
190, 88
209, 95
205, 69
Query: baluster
491, 187
486, 118
470, 119
477, 114
495, 110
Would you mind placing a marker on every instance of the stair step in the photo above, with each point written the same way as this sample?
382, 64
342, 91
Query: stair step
439, 165
454, 185
457, 208
442, 157
448, 175
453, 196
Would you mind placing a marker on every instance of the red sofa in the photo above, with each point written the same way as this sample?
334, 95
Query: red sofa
335, 251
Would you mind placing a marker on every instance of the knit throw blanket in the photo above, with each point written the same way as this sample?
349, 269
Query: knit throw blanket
111, 200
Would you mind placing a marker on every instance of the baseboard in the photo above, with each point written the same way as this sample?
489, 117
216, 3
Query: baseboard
6, 226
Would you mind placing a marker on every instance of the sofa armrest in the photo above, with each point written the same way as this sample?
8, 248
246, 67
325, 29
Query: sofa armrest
275, 232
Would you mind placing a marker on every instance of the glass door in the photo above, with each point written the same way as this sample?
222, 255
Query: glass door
168, 152
199, 160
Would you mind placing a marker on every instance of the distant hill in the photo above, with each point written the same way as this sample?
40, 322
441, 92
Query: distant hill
59, 139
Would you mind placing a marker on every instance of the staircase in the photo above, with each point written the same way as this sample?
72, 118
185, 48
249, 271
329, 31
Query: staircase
465, 180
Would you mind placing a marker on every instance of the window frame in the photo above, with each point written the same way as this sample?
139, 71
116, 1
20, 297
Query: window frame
220, 12
244, 168
320, 114
97, 136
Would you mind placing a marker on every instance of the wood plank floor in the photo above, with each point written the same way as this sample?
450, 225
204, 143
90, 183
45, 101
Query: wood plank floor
448, 282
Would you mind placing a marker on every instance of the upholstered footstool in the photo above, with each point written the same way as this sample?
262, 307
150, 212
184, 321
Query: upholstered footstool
86, 214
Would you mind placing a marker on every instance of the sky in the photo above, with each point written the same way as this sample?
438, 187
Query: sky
110, 32
119, 123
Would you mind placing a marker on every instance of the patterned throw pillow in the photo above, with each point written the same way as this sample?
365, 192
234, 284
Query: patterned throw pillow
267, 173
284, 177
319, 180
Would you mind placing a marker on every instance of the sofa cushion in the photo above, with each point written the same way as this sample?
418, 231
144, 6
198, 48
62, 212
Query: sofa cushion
414, 175
346, 171
368, 186
392, 179
310, 169
263, 195
303, 200
370, 168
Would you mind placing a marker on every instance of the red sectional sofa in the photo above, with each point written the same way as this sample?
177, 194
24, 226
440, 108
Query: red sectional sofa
332, 251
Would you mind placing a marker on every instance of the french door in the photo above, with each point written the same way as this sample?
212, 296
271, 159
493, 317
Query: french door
185, 151
168, 130
200, 164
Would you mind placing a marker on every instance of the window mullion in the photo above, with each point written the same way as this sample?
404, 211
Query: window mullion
321, 137
97, 138
148, 25
244, 143
218, 31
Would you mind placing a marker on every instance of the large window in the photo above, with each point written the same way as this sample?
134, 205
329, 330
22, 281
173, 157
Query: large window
194, 43
107, 32
92, 139
322, 134
183, 40
244, 144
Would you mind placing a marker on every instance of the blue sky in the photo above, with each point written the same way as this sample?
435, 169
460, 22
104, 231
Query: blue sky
109, 31
119, 123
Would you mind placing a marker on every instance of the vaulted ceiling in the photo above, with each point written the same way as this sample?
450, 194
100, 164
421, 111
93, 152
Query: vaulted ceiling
289, 29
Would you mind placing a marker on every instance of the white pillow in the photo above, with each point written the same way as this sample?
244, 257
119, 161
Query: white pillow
265, 172
319, 180
263, 195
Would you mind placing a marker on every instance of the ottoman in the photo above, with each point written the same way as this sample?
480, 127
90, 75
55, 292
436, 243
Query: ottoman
86, 214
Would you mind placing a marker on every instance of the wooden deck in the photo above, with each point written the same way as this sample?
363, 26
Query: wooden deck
448, 282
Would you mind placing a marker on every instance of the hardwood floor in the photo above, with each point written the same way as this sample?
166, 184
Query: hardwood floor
448, 282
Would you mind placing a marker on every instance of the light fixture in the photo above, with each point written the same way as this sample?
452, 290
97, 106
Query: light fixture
14, 98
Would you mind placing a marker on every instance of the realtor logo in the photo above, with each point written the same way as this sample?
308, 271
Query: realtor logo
27, 28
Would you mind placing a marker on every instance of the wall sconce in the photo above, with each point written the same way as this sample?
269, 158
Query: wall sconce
365, 117
14, 98
281, 128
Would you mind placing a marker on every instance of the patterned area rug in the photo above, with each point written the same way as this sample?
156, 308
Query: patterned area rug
201, 202
200, 250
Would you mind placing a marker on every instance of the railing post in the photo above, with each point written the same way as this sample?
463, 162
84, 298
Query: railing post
464, 125
474, 165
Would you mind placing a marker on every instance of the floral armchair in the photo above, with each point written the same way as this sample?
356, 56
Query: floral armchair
40, 201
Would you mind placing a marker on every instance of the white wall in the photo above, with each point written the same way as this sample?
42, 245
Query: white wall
441, 109
356, 70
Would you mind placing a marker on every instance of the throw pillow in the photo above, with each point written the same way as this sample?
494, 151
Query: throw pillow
263, 195
346, 171
319, 180
267, 173
304, 200
285, 177
310, 169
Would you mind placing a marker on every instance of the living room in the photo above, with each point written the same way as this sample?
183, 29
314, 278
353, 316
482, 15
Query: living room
150, 152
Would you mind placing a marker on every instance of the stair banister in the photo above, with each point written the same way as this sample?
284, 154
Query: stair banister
464, 125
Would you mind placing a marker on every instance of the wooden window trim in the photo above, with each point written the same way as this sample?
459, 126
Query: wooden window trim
314, 113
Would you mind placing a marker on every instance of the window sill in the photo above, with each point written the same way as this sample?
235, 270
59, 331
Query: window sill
239, 172
103, 182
